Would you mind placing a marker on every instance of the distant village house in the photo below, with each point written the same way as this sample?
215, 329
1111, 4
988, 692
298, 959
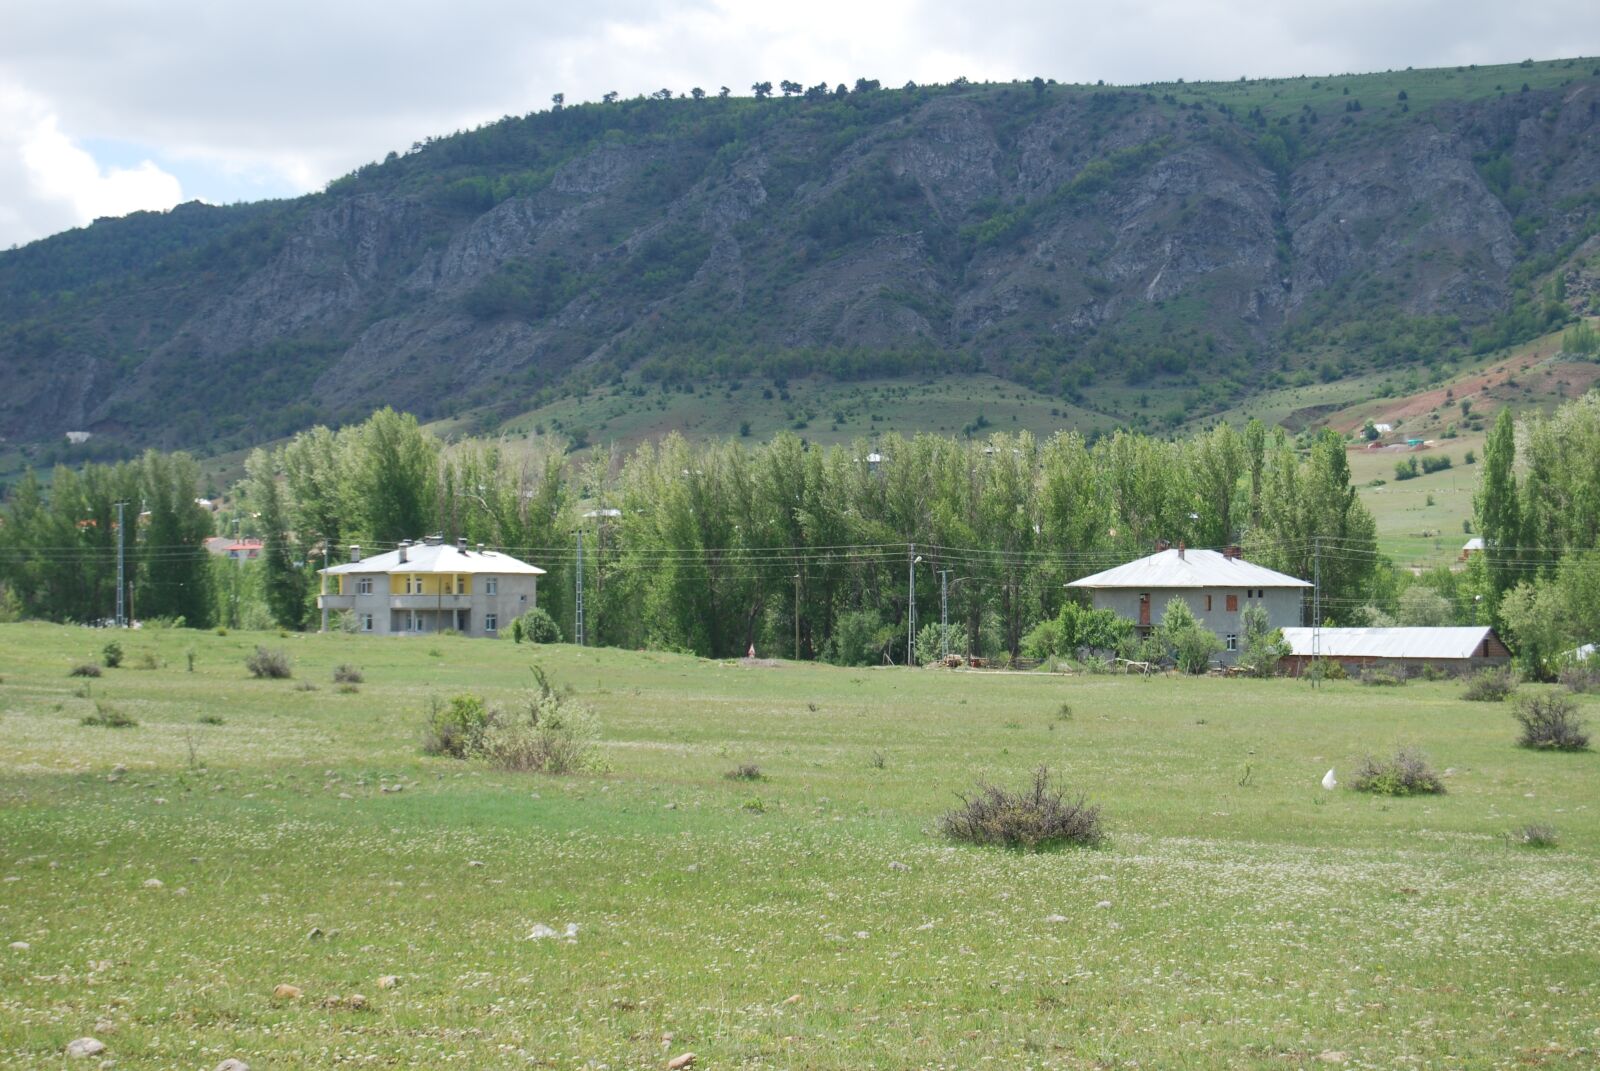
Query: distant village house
1217, 585
430, 586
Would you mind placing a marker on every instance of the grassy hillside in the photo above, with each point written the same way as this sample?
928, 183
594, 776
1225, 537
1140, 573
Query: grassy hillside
810, 918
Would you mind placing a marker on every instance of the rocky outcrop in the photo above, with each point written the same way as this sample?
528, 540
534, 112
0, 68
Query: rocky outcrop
1027, 230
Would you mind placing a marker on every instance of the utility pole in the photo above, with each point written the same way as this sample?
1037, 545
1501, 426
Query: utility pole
579, 629
944, 613
1316, 605
122, 617
797, 617
911, 603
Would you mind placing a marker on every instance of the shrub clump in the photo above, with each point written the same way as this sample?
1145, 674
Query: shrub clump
345, 673
88, 669
745, 771
1536, 835
536, 626
1579, 677
543, 732
111, 654
1550, 723
109, 717
269, 665
1491, 686
1040, 816
1407, 774
1383, 678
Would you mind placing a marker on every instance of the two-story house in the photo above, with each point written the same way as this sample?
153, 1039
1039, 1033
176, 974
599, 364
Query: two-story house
1217, 585
430, 586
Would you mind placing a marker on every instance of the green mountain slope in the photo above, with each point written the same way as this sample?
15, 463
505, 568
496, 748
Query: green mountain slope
1154, 253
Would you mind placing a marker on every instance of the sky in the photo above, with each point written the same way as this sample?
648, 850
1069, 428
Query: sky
111, 106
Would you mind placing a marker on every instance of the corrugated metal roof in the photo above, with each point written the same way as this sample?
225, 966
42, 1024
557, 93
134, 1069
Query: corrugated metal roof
1189, 569
438, 558
1453, 642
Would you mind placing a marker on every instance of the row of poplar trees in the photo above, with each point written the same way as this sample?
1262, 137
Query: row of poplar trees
58, 545
720, 546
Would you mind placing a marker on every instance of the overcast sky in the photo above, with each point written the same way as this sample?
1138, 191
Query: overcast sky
107, 106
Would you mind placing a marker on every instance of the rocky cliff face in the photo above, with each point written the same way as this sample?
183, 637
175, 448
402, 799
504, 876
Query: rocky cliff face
1065, 237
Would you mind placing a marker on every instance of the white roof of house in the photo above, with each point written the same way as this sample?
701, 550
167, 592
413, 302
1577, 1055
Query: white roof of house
438, 558
1189, 569
1443, 642
1475, 543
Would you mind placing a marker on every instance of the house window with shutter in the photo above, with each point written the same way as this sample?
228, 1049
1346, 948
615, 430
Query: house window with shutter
1208, 604
1233, 603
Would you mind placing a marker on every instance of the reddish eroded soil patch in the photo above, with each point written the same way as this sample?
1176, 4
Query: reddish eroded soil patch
1487, 390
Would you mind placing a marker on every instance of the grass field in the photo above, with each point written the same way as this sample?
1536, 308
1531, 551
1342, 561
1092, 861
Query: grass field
1241, 916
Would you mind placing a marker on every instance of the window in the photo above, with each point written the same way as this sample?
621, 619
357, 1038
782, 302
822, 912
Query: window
491, 622
1231, 642
1208, 604
491, 586
461, 585
365, 622
364, 586
1233, 603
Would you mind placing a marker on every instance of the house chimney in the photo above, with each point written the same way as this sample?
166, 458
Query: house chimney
461, 544
1161, 545
1231, 552
355, 552
480, 548
405, 545
1180, 550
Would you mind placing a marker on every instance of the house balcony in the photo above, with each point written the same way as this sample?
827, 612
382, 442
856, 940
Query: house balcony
430, 602
336, 602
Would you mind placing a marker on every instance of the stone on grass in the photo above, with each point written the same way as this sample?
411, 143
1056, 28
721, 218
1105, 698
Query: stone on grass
104, 1026
540, 932
678, 1063
356, 1002
20, 946
285, 991
388, 981
79, 1048
895, 864
154, 883
475, 862
1103, 903
1055, 918
316, 932
231, 1064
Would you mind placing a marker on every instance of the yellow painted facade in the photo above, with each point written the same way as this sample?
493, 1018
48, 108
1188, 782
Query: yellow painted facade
430, 584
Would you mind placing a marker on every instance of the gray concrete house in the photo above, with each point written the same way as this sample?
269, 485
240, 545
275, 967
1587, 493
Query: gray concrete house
430, 586
1217, 585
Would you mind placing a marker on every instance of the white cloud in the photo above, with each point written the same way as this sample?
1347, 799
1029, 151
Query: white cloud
249, 100
48, 182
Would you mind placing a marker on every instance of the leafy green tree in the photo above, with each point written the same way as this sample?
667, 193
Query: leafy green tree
285, 583
1498, 509
1190, 643
1262, 647
176, 580
393, 478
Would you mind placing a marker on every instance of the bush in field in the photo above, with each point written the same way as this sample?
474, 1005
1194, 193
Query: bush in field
109, 717
1407, 774
1536, 835
1389, 677
745, 771
536, 626
1037, 817
455, 728
1550, 723
111, 654
88, 669
345, 673
543, 732
269, 665
1579, 677
1491, 686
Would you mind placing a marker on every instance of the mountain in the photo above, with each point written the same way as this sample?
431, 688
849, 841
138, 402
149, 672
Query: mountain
1090, 243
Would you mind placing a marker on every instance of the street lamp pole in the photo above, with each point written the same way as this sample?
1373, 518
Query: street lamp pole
911, 613
578, 623
797, 617
944, 613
